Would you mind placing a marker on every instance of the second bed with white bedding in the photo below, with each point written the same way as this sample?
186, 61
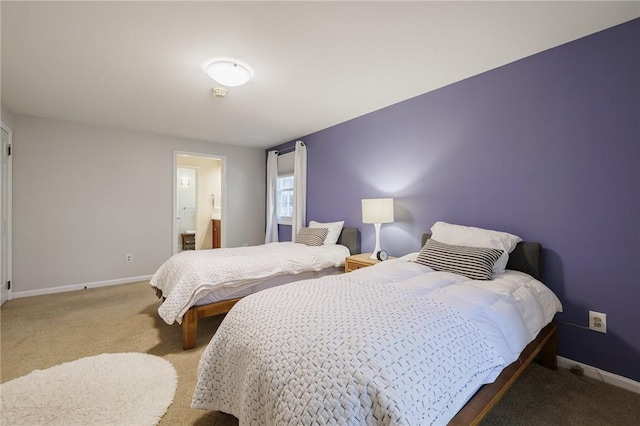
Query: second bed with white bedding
188, 277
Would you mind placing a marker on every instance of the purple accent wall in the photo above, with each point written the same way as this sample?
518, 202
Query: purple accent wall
547, 148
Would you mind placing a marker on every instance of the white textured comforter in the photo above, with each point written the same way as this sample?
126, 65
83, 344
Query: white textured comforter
391, 344
188, 275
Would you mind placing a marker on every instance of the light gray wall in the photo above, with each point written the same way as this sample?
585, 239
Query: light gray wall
84, 196
6, 117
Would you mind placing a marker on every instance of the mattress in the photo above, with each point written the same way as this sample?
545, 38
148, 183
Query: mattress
253, 286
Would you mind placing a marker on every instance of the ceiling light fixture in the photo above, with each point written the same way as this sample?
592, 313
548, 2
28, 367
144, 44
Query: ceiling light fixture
228, 71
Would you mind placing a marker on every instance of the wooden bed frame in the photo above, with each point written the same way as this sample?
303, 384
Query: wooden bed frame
527, 258
545, 347
191, 317
349, 237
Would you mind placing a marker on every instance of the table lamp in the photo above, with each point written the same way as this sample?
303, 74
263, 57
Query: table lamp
377, 211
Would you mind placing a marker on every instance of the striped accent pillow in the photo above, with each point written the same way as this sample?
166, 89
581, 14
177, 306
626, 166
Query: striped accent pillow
311, 236
475, 263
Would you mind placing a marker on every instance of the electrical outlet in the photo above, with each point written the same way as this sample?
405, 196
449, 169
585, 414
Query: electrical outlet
128, 258
598, 321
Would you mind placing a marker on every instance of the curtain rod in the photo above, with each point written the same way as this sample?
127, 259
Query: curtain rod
287, 150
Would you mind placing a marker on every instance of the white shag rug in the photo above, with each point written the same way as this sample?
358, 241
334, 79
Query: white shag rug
108, 389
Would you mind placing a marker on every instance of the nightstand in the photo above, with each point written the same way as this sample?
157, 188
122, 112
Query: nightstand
357, 261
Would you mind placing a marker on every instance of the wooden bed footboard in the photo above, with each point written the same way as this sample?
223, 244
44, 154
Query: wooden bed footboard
190, 319
544, 347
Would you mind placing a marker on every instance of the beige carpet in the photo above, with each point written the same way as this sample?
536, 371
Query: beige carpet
43, 331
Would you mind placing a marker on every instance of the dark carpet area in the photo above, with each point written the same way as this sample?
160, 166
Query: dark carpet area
546, 397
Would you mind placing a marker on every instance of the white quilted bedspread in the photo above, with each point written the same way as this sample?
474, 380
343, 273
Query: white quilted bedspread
343, 350
188, 275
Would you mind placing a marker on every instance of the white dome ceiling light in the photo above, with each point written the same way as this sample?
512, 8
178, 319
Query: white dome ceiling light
228, 71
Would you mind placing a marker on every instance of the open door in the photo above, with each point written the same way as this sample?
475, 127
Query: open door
187, 199
5, 215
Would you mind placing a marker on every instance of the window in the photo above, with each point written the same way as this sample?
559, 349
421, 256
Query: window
285, 199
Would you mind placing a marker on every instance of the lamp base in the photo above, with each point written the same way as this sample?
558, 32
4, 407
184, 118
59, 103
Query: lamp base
374, 255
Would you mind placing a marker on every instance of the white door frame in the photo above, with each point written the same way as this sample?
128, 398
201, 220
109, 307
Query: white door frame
6, 252
174, 204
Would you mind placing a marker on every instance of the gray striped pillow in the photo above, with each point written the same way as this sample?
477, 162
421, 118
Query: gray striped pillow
472, 262
311, 236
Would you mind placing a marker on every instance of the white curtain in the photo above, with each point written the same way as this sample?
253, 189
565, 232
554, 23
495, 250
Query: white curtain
299, 189
272, 192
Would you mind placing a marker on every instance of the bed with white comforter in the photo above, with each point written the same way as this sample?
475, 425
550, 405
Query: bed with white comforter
396, 343
189, 276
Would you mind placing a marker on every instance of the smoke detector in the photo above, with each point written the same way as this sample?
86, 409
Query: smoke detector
219, 92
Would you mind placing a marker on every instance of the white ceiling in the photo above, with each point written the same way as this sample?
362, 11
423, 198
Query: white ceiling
136, 65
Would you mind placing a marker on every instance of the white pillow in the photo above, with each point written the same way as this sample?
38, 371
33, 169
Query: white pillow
477, 237
335, 228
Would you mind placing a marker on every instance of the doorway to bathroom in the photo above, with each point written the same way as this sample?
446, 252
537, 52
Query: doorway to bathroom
199, 201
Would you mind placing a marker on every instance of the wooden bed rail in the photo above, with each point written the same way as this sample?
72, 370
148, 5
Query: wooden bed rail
190, 319
545, 347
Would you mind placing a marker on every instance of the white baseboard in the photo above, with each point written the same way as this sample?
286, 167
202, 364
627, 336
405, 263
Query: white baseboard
605, 376
29, 293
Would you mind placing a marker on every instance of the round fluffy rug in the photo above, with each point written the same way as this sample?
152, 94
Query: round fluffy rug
108, 389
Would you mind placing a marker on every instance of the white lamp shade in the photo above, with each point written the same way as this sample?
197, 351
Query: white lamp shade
377, 210
228, 71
